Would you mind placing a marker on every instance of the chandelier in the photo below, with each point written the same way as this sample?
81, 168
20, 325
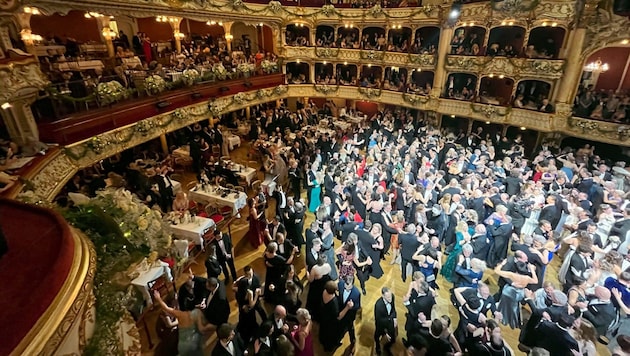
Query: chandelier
596, 66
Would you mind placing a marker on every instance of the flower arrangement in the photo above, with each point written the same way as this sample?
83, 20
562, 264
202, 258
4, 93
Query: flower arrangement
154, 84
190, 76
269, 66
245, 68
110, 92
124, 231
219, 71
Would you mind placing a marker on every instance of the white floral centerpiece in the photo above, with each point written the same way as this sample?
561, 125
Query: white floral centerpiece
154, 84
269, 66
190, 76
219, 71
110, 92
246, 68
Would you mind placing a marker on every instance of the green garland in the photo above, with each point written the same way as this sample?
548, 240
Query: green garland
372, 55
423, 59
327, 52
477, 63
325, 88
413, 99
489, 110
370, 92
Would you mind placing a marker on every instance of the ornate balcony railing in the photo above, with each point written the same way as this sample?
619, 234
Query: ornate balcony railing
357, 56
516, 68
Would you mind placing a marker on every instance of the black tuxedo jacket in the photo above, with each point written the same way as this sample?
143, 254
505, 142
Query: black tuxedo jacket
409, 246
621, 228
280, 229
242, 287
310, 259
387, 230
556, 341
601, 315
219, 350
217, 309
384, 321
578, 263
227, 243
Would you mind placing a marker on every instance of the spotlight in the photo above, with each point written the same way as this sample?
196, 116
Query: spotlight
456, 10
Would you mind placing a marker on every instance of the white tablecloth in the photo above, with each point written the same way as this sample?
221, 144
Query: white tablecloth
81, 65
269, 186
132, 62
342, 124
233, 141
141, 282
183, 151
193, 231
244, 172
236, 203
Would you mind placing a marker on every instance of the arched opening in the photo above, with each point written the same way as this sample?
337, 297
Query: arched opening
460, 86
530, 94
246, 38
373, 38
468, 41
395, 79
297, 73
347, 74
544, 42
526, 137
398, 39
421, 82
324, 36
485, 130
602, 92
297, 35
324, 73
495, 90
426, 40
506, 41
347, 37
371, 76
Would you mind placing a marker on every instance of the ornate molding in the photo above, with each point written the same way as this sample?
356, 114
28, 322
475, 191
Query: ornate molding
610, 132
356, 56
516, 68
489, 12
603, 28
20, 77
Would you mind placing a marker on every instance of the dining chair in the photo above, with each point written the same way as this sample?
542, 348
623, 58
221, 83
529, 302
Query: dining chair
256, 185
164, 286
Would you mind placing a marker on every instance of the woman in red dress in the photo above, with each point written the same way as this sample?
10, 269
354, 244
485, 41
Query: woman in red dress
255, 233
146, 48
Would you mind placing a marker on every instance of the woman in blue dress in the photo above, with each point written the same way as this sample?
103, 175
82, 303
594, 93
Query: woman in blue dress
513, 294
191, 328
462, 236
316, 189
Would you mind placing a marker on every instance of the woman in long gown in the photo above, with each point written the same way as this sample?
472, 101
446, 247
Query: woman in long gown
462, 237
302, 337
276, 266
146, 48
190, 328
330, 332
255, 233
317, 278
247, 323
328, 248
316, 191
512, 294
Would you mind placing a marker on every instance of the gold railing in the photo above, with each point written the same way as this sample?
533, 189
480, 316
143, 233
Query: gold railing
516, 68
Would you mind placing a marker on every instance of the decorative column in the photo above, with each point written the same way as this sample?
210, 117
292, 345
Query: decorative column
177, 35
24, 80
107, 35
311, 73
443, 50
573, 68
23, 21
164, 144
248, 113
227, 27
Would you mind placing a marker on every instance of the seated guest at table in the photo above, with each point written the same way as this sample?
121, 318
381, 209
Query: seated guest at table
225, 253
181, 202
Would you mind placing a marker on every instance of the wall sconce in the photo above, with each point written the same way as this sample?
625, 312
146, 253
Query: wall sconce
30, 38
178, 35
229, 37
31, 10
108, 33
6, 106
210, 23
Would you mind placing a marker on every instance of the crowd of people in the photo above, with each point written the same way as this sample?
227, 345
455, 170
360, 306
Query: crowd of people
396, 190
602, 105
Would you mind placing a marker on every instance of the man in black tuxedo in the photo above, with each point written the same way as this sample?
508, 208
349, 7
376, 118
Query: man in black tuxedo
408, 246
286, 249
381, 214
329, 182
346, 227
363, 264
622, 226
191, 293
281, 202
295, 178
278, 319
550, 212
229, 343
311, 234
313, 253
215, 306
480, 243
423, 303
555, 337
274, 228
249, 281
385, 321
213, 266
348, 291
499, 224
601, 312
225, 253
577, 266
